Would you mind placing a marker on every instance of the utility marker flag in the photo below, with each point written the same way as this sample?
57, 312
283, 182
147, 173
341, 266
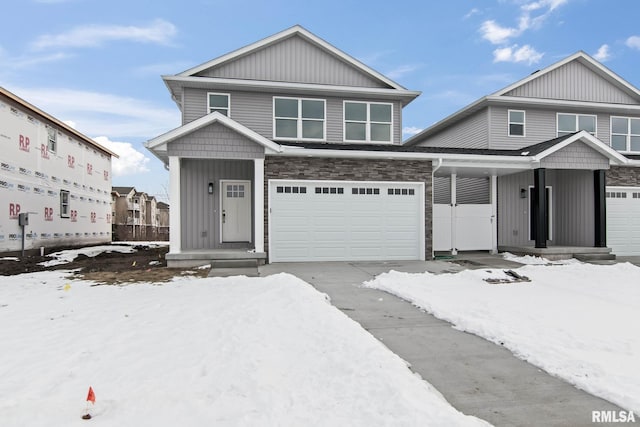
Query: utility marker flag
91, 397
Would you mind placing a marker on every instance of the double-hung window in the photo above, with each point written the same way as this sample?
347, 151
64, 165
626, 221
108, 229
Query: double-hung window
218, 102
625, 133
571, 123
516, 123
52, 139
64, 204
367, 121
299, 118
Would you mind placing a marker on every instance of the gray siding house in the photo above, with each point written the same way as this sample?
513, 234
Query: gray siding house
291, 150
581, 190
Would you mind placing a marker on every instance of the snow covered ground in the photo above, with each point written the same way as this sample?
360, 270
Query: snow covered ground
199, 352
576, 321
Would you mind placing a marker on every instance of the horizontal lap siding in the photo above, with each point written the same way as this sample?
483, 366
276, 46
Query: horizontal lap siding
296, 168
471, 132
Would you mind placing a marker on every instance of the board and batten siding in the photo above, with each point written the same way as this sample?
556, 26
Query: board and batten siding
572, 208
255, 111
200, 211
294, 60
576, 82
472, 132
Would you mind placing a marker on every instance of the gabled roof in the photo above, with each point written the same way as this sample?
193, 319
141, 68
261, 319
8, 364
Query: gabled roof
584, 59
158, 145
58, 123
122, 190
293, 31
544, 149
502, 97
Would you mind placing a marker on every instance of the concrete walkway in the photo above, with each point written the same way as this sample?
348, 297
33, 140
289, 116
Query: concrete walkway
476, 376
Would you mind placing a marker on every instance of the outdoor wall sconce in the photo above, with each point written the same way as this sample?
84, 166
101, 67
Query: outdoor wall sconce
210, 188
523, 193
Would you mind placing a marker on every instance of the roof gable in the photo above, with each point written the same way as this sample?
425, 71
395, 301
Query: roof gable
582, 139
308, 59
576, 78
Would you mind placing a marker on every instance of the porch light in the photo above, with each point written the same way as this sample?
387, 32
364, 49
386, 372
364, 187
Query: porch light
210, 188
523, 193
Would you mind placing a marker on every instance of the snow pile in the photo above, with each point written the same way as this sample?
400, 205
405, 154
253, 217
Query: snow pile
577, 321
66, 256
216, 351
536, 260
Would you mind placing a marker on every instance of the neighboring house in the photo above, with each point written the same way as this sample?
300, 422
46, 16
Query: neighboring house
163, 220
290, 150
57, 176
575, 127
135, 215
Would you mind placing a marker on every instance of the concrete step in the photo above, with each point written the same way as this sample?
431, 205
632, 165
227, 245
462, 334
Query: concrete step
235, 271
594, 257
234, 263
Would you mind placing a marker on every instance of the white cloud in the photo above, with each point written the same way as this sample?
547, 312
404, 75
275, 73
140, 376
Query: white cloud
159, 32
130, 161
472, 12
514, 54
401, 71
633, 42
102, 113
603, 53
497, 34
411, 130
532, 15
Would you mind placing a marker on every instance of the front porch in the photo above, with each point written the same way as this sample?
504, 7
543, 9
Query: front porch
217, 258
582, 253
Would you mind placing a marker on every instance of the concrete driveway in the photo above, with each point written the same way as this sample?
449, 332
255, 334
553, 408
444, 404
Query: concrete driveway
476, 376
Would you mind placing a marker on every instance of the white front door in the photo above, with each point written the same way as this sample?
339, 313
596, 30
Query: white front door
236, 211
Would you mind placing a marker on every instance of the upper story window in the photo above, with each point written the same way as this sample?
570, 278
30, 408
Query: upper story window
218, 102
625, 133
299, 118
571, 123
516, 122
367, 121
52, 139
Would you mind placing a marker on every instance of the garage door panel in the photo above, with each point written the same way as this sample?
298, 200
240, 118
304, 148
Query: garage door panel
623, 220
347, 225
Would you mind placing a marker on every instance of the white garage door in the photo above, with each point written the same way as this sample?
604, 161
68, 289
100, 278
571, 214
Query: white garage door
623, 220
345, 221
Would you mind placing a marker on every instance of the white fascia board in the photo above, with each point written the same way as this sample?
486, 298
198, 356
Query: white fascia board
591, 141
357, 154
296, 29
265, 85
518, 100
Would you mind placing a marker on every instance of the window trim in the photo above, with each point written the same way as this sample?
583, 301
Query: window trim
228, 102
628, 135
367, 123
595, 117
65, 208
52, 143
524, 123
300, 119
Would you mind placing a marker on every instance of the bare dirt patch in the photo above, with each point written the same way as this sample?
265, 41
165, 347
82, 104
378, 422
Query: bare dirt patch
146, 264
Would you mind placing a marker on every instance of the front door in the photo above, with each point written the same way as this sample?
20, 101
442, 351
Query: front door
236, 211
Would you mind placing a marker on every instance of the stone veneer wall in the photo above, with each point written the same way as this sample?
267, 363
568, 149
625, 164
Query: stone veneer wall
623, 176
314, 168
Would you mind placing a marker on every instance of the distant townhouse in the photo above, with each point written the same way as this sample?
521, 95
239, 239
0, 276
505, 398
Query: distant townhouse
136, 215
54, 181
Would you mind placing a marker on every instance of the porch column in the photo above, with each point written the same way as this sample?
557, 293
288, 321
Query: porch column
494, 214
454, 250
258, 204
539, 208
174, 198
600, 208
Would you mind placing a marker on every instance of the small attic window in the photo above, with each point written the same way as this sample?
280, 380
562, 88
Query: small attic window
218, 102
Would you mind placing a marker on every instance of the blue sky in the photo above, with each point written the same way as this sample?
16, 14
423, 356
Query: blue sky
97, 64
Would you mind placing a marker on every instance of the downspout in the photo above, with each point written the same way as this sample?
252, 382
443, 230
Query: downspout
433, 174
